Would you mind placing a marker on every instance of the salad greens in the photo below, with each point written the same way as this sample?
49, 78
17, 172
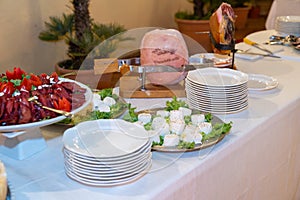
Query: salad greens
175, 104
186, 145
217, 130
161, 141
131, 116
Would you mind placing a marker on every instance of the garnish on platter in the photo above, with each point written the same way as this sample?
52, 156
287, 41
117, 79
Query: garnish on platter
176, 128
17, 86
105, 105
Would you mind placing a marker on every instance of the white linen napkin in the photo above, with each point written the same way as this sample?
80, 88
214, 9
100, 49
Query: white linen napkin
245, 47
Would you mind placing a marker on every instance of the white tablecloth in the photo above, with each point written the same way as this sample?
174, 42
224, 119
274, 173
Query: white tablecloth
259, 159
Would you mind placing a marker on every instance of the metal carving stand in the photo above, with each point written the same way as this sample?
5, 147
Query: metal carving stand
230, 47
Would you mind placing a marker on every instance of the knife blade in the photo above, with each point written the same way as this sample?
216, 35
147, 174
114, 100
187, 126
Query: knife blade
161, 68
258, 54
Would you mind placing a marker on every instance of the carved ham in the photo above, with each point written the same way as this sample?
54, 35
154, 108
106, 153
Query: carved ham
164, 47
222, 29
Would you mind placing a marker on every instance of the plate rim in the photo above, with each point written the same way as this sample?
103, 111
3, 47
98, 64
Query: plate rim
264, 78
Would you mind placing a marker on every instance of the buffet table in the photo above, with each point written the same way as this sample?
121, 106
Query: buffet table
259, 159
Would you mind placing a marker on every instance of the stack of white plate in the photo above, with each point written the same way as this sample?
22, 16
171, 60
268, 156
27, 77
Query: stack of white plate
288, 25
106, 152
216, 90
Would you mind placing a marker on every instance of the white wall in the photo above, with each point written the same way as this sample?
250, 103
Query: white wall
22, 20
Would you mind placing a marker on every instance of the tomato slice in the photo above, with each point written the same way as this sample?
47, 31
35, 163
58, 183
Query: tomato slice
7, 88
25, 85
54, 76
62, 104
17, 73
35, 80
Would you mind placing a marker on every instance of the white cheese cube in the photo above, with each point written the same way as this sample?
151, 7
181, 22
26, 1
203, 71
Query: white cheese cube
102, 107
163, 113
158, 123
96, 96
177, 127
144, 118
187, 137
115, 91
188, 133
190, 129
205, 127
96, 101
109, 101
197, 119
176, 115
165, 130
197, 138
185, 111
154, 136
171, 140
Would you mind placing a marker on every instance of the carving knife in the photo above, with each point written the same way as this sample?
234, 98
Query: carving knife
160, 68
254, 44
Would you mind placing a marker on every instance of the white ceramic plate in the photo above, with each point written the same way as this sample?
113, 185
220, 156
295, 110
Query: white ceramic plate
218, 59
214, 88
103, 166
260, 82
112, 175
20, 127
217, 95
107, 170
113, 160
105, 138
108, 183
217, 77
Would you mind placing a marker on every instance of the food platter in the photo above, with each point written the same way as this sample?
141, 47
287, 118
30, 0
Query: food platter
205, 144
219, 60
86, 113
23, 127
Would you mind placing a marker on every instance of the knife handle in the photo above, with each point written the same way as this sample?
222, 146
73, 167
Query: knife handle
247, 41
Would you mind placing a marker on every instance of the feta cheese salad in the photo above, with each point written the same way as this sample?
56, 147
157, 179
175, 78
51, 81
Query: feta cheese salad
105, 105
179, 128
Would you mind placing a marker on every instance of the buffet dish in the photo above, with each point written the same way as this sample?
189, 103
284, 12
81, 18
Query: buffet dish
105, 104
176, 128
18, 113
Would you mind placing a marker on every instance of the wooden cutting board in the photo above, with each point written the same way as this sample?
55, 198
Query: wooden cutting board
130, 87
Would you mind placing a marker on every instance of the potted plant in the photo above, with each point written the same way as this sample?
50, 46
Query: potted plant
196, 24
241, 9
81, 34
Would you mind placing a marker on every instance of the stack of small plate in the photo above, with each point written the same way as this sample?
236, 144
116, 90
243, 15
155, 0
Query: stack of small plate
218, 91
106, 152
288, 25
